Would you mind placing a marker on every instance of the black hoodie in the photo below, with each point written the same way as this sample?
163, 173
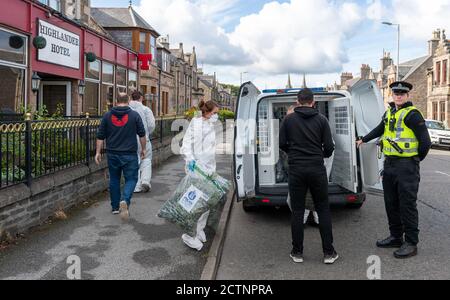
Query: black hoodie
119, 127
306, 137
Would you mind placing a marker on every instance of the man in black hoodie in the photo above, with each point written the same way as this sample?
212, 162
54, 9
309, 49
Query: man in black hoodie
119, 127
306, 136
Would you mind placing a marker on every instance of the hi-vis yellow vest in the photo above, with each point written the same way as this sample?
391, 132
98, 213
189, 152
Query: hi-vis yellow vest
402, 135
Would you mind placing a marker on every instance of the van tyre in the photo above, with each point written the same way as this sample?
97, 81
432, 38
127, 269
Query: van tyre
248, 207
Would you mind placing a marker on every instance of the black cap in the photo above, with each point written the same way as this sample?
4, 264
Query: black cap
401, 87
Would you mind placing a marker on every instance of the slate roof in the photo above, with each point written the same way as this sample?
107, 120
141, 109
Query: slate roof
120, 17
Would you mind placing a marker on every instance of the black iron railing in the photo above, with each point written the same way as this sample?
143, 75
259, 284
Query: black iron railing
31, 149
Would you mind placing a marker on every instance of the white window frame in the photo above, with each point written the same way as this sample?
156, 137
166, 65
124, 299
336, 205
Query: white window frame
19, 66
97, 81
128, 79
113, 84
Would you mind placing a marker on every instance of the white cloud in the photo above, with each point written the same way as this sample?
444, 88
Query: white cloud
300, 36
376, 10
419, 18
192, 22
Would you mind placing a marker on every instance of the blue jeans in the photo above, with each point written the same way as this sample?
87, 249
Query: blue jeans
129, 165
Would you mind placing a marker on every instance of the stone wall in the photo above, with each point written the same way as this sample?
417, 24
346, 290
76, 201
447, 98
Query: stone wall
23, 207
420, 92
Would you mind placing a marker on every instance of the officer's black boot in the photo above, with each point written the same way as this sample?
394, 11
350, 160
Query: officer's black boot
390, 242
406, 251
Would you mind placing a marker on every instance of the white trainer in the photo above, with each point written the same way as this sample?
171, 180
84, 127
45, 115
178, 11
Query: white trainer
191, 242
316, 217
201, 235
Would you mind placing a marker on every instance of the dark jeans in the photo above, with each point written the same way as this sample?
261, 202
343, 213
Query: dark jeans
314, 178
129, 166
401, 184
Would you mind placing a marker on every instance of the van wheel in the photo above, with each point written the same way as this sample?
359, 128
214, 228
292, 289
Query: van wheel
248, 207
355, 205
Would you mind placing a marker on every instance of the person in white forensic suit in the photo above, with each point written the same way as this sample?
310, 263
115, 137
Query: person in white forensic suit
199, 148
145, 165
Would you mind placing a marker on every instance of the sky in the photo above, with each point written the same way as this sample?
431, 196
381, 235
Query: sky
265, 39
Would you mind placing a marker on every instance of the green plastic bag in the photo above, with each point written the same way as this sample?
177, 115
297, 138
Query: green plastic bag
196, 194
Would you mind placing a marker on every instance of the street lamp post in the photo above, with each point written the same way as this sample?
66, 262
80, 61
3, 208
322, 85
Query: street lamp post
398, 47
242, 73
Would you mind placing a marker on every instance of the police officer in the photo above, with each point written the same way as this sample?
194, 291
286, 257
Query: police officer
405, 142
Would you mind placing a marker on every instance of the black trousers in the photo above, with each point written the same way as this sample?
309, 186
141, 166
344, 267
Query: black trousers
314, 178
401, 184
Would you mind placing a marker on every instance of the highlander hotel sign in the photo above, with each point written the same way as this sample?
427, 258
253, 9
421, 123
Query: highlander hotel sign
63, 47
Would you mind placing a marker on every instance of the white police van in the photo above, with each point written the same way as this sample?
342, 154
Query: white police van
258, 175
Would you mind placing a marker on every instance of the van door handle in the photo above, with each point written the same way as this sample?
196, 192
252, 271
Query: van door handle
239, 170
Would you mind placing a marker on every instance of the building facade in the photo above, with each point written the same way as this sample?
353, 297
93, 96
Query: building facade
79, 69
438, 78
128, 28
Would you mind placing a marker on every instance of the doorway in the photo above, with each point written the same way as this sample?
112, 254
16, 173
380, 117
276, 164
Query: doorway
54, 95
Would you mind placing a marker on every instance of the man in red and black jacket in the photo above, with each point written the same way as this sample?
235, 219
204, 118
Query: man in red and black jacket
119, 128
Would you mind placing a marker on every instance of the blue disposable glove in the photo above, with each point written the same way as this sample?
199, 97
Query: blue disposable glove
190, 166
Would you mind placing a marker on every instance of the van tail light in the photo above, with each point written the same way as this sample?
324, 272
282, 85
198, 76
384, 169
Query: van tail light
265, 201
352, 198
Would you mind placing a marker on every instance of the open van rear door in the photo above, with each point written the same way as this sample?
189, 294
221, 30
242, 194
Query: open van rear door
369, 110
245, 148
342, 126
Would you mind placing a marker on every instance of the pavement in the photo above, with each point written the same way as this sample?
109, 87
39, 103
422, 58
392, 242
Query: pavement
257, 245
146, 247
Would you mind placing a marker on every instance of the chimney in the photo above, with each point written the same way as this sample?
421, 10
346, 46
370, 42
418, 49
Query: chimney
386, 61
365, 71
434, 42
346, 77
165, 42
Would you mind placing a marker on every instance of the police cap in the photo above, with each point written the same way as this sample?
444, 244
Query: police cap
401, 87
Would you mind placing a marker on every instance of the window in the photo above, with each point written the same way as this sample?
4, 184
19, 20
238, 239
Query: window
12, 48
121, 80
93, 70
153, 48
90, 104
108, 73
13, 72
442, 112
165, 62
12, 84
132, 81
444, 71
92, 90
435, 111
55, 4
107, 90
142, 42
438, 72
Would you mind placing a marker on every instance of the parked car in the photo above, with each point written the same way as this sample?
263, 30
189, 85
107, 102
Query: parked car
355, 172
439, 133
